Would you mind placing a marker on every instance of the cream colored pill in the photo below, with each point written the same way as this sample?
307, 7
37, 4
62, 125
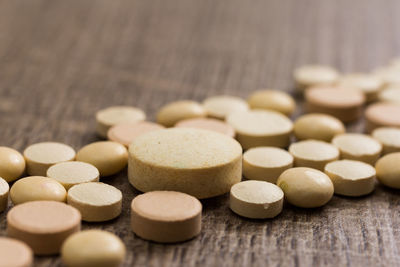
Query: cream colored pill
390, 94
311, 75
220, 107
4, 190
261, 128
390, 75
208, 124
97, 202
111, 116
14, 253
266, 163
388, 170
358, 147
93, 248
369, 84
12, 164
389, 138
256, 199
272, 100
37, 188
382, 114
107, 156
174, 112
306, 187
73, 172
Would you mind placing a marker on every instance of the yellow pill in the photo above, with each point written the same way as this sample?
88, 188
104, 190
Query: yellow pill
369, 84
388, 170
220, 107
14, 253
312, 75
4, 190
12, 164
174, 112
272, 100
389, 137
390, 94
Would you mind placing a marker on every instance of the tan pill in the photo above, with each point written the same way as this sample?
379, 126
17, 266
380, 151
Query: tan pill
389, 138
166, 216
93, 248
382, 114
390, 94
261, 128
311, 75
266, 163
388, 170
369, 84
358, 147
272, 100
220, 107
14, 253
73, 172
108, 117
4, 190
97, 202
43, 225
256, 199
12, 164
174, 112
208, 124
306, 187
390, 75
107, 156
37, 188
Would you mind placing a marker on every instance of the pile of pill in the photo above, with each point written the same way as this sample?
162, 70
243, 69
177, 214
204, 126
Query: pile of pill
195, 151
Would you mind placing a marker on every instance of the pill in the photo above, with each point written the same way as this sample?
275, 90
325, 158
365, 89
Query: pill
12, 164
256, 199
311, 75
261, 128
369, 84
126, 133
93, 248
176, 111
388, 170
37, 188
342, 103
306, 187
166, 216
199, 162
43, 225
14, 253
351, 178
220, 107
97, 202
111, 116
358, 147
4, 190
313, 154
389, 75
390, 94
389, 138
382, 114
107, 156
317, 126
266, 163
272, 100
208, 124
73, 172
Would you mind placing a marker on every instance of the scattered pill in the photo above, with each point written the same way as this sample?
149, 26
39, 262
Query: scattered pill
4, 190
389, 137
382, 114
369, 84
208, 124
272, 100
389, 75
12, 164
390, 94
311, 75
174, 112
220, 107
388, 170
14, 253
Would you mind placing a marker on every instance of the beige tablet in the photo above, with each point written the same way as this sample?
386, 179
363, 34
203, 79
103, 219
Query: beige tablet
388, 170
389, 138
269, 99
12, 164
369, 84
311, 75
220, 107
208, 124
382, 114
390, 94
14, 253
4, 190
176, 111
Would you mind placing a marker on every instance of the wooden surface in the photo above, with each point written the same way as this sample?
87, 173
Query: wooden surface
60, 61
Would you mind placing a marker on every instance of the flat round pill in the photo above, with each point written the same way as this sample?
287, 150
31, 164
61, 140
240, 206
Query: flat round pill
220, 107
311, 75
107, 156
37, 188
174, 112
12, 164
166, 216
313, 154
390, 94
389, 75
369, 84
261, 128
73, 172
4, 190
208, 124
256, 199
97, 202
358, 147
14, 253
266, 163
389, 138
388, 170
111, 116
272, 100
306, 187
43, 225
126, 133
41, 156
198, 162
351, 178
93, 248
382, 114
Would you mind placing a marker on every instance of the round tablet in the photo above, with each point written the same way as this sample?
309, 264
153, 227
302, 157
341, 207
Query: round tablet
126, 133
107, 156
97, 202
43, 225
221, 106
261, 128
390, 94
358, 147
272, 100
388, 170
340, 102
39, 157
198, 162
266, 163
317, 126
306, 187
389, 138
166, 216
311, 75
93, 248
382, 114
12, 164
111, 116
389, 75
256, 199
173, 112
14, 253
313, 154
208, 124
4, 190
369, 84
37, 188
73, 172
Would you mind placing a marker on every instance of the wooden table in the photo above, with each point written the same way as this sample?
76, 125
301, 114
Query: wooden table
61, 61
